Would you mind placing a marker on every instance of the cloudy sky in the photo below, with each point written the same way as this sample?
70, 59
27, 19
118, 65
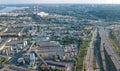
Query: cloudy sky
58, 1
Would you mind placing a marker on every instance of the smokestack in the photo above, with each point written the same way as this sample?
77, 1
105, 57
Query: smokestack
36, 9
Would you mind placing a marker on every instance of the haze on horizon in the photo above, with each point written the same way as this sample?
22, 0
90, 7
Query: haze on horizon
60, 1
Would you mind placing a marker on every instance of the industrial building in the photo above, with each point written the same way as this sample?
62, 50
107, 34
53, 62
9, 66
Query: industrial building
12, 31
47, 48
57, 65
13, 46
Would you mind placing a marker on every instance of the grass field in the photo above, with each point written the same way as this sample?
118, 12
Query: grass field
115, 47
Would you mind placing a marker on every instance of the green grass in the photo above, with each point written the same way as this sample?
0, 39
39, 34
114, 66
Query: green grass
80, 57
116, 33
115, 47
81, 54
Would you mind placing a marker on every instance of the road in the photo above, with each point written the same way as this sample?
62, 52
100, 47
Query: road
15, 58
103, 56
109, 49
90, 54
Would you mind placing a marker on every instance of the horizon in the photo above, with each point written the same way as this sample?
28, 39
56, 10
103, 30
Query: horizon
60, 2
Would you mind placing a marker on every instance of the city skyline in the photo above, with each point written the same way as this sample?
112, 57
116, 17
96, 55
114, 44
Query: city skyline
61, 1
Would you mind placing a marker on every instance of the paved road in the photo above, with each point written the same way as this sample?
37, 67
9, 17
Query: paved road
103, 56
104, 39
90, 54
15, 58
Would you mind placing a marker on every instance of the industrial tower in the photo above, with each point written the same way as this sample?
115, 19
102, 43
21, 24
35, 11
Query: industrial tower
36, 9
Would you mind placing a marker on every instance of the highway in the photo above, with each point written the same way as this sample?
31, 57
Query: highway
90, 54
103, 56
109, 49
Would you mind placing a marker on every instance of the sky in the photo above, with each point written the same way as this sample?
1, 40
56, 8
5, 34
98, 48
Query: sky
59, 1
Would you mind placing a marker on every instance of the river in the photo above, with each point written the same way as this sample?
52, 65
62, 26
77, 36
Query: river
8, 9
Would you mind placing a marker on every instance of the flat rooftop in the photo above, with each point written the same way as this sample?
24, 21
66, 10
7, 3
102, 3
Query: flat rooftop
60, 64
46, 44
15, 68
13, 30
48, 47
